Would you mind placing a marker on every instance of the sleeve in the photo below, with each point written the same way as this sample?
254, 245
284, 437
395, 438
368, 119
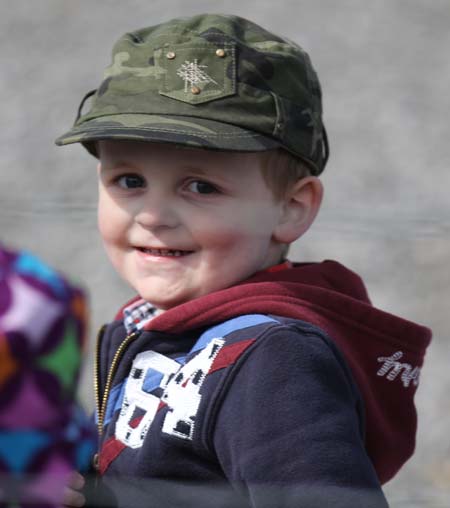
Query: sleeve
289, 431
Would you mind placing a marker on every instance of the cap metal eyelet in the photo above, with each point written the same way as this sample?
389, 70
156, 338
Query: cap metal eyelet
170, 55
220, 53
195, 90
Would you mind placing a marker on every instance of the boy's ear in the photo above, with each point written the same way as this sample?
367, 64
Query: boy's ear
300, 207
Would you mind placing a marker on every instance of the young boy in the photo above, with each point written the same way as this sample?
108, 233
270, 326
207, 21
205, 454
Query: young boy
234, 378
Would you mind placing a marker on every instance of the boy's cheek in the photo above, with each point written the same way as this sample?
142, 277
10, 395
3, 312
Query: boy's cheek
104, 228
111, 218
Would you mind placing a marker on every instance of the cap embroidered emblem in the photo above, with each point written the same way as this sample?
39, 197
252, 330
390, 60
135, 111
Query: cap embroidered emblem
193, 74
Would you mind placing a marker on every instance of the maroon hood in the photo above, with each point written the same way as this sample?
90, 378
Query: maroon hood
384, 352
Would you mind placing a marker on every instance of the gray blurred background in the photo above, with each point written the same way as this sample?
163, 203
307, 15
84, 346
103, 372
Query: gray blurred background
385, 71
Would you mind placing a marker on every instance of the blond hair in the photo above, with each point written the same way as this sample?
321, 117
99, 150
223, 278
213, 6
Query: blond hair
281, 170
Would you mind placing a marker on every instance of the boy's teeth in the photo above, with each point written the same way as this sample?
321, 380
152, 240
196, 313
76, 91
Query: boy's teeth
163, 252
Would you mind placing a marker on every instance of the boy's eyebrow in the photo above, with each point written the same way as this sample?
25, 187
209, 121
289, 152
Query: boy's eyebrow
205, 168
196, 169
119, 164
209, 171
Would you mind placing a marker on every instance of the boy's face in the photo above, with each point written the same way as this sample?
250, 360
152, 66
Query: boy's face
180, 223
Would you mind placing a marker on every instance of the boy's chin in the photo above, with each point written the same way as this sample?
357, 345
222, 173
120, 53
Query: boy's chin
163, 304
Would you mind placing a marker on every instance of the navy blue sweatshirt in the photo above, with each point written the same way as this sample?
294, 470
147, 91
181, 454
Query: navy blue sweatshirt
288, 390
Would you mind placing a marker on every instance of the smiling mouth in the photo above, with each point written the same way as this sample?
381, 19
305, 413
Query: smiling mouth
165, 252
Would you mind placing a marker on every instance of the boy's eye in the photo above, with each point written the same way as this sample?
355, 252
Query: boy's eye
201, 187
130, 181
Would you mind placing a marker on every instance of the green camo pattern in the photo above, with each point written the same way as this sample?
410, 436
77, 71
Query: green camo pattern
210, 81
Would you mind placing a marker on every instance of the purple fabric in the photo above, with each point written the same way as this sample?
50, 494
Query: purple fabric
43, 433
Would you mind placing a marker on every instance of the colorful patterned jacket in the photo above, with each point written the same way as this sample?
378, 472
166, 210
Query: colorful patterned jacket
44, 434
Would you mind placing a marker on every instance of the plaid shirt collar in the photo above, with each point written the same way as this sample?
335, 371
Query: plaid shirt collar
137, 315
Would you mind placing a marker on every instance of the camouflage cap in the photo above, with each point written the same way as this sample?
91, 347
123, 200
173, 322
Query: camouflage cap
210, 81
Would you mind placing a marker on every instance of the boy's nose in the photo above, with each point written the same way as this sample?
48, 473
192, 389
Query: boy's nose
157, 212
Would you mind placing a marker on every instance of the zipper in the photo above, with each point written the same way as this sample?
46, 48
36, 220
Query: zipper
102, 399
97, 370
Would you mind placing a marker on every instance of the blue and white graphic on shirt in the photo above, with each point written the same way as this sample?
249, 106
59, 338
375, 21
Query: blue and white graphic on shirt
155, 378
149, 371
180, 386
182, 393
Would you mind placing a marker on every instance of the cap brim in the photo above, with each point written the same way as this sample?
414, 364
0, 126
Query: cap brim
180, 130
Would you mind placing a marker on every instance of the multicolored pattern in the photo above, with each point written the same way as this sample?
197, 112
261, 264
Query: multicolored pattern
43, 434
209, 81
